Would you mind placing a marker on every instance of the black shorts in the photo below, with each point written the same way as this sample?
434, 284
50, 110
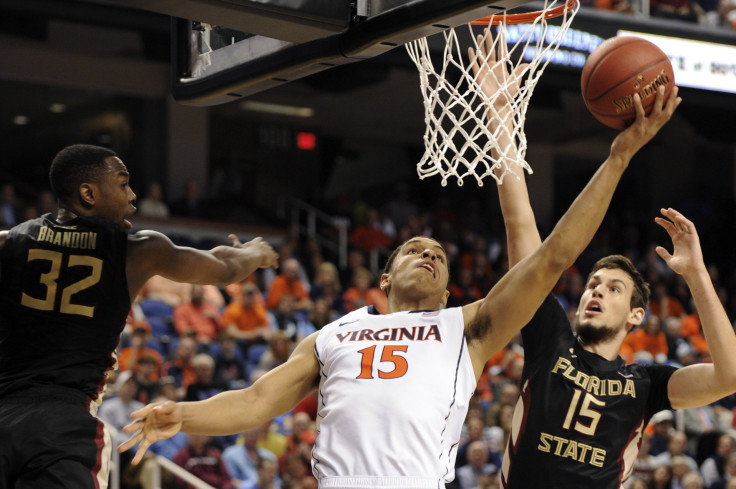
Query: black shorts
51, 441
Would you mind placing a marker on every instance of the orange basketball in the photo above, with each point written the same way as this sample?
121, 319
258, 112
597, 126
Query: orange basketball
616, 70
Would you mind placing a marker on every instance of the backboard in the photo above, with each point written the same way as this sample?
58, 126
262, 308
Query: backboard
223, 50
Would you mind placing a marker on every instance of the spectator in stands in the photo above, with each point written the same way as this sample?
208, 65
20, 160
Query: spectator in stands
270, 439
321, 314
478, 471
246, 318
691, 330
289, 321
369, 235
198, 318
728, 478
229, 362
116, 408
677, 446
692, 480
288, 282
153, 204
664, 304
363, 292
241, 459
11, 211
644, 463
175, 293
204, 461
326, 286
649, 339
680, 469
508, 395
279, 348
129, 356
180, 367
700, 421
267, 476
191, 204
205, 385
661, 477
146, 378
662, 426
713, 468
463, 290
356, 259
475, 432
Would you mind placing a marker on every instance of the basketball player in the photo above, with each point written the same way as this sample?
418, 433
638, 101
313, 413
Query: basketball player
394, 389
66, 284
581, 413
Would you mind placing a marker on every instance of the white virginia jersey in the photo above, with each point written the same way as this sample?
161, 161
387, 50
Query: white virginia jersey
393, 394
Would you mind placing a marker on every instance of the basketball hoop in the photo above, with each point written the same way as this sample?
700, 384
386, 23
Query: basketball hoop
466, 135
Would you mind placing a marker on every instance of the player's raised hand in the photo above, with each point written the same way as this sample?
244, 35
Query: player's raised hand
644, 128
150, 424
269, 257
491, 69
686, 256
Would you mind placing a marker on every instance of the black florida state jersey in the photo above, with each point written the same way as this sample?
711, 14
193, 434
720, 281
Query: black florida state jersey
579, 419
63, 302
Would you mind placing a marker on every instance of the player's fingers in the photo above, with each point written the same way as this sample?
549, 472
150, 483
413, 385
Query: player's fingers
140, 452
134, 426
638, 107
673, 100
130, 442
489, 42
663, 254
234, 240
667, 225
473, 60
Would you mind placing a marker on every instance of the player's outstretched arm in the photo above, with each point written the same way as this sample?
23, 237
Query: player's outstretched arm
701, 384
230, 412
511, 303
522, 235
152, 253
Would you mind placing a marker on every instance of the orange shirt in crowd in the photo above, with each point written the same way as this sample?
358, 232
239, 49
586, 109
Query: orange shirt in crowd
281, 286
640, 340
245, 319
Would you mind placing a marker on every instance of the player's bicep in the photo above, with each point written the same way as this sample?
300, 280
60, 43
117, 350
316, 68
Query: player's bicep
511, 303
694, 386
282, 388
152, 253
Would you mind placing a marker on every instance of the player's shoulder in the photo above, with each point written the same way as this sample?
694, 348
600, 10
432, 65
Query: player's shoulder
647, 370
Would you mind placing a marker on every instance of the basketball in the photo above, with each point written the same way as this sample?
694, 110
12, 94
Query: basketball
616, 70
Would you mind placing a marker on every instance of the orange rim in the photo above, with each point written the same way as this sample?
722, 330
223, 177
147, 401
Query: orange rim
525, 17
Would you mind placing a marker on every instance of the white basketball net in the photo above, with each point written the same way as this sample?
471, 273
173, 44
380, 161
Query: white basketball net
463, 123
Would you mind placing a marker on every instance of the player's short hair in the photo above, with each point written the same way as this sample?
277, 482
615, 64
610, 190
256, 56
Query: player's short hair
74, 165
641, 292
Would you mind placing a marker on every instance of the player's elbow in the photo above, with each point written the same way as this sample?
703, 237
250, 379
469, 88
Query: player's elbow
557, 256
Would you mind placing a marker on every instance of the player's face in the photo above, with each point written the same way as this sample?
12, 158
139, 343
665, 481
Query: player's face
606, 301
420, 267
116, 198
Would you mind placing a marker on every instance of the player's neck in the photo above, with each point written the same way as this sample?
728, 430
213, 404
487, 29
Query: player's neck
396, 305
607, 349
65, 215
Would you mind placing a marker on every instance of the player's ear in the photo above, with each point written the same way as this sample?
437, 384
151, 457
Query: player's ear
87, 194
445, 296
385, 282
636, 317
